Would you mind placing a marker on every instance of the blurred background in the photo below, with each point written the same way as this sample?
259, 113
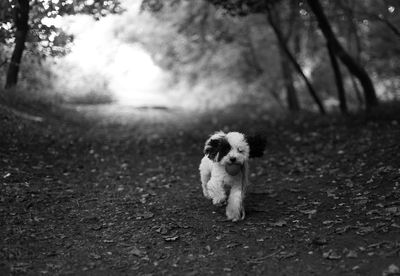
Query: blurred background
276, 55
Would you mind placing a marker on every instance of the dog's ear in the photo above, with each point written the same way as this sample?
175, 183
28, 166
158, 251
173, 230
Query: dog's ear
257, 144
212, 147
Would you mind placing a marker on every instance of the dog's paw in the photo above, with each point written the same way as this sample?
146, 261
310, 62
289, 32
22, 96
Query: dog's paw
206, 194
219, 201
220, 204
235, 214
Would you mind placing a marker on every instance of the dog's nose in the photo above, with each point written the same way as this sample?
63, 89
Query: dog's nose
232, 159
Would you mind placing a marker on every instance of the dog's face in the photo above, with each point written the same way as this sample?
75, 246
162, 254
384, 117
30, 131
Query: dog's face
227, 148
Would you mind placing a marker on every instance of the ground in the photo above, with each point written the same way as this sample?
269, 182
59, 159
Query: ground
96, 191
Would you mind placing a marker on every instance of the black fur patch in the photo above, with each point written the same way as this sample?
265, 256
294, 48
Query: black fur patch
257, 144
211, 149
224, 148
215, 147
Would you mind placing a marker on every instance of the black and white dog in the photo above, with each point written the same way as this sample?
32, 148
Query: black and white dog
225, 168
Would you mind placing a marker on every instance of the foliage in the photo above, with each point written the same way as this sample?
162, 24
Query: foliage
214, 52
46, 37
46, 82
225, 51
367, 29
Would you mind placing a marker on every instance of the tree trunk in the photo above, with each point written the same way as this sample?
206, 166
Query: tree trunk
357, 51
358, 92
287, 72
21, 14
293, 60
276, 97
359, 72
291, 96
338, 80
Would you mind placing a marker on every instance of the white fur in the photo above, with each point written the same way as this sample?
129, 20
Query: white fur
215, 180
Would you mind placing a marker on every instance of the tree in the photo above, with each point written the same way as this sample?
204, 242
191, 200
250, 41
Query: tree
290, 56
245, 7
291, 96
254, 62
29, 29
359, 72
21, 17
287, 71
338, 80
371, 39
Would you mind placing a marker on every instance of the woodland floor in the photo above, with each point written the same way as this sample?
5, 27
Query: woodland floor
83, 193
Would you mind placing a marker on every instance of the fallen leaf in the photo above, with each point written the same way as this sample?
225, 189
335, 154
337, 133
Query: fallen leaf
391, 270
330, 193
163, 229
286, 255
395, 225
319, 241
349, 183
279, 223
295, 190
310, 213
262, 259
374, 212
136, 252
365, 230
95, 256
352, 254
344, 229
231, 245
331, 255
174, 238
393, 210
145, 215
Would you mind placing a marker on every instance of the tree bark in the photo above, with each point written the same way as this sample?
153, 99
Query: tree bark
358, 92
338, 80
291, 96
287, 72
21, 14
359, 72
293, 60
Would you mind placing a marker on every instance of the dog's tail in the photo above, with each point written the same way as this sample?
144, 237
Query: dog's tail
257, 144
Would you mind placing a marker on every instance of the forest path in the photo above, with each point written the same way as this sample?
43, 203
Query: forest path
151, 120
114, 197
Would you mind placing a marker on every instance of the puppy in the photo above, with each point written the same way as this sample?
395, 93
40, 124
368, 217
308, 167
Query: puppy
225, 168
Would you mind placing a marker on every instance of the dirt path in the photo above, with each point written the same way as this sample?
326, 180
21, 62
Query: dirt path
123, 197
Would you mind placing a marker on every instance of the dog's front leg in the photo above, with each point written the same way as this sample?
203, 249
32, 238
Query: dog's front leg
235, 210
216, 191
205, 177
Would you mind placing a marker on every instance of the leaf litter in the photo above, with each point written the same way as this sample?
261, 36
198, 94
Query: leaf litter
117, 204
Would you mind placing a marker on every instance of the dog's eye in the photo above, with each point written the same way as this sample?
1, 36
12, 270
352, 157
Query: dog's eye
240, 150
